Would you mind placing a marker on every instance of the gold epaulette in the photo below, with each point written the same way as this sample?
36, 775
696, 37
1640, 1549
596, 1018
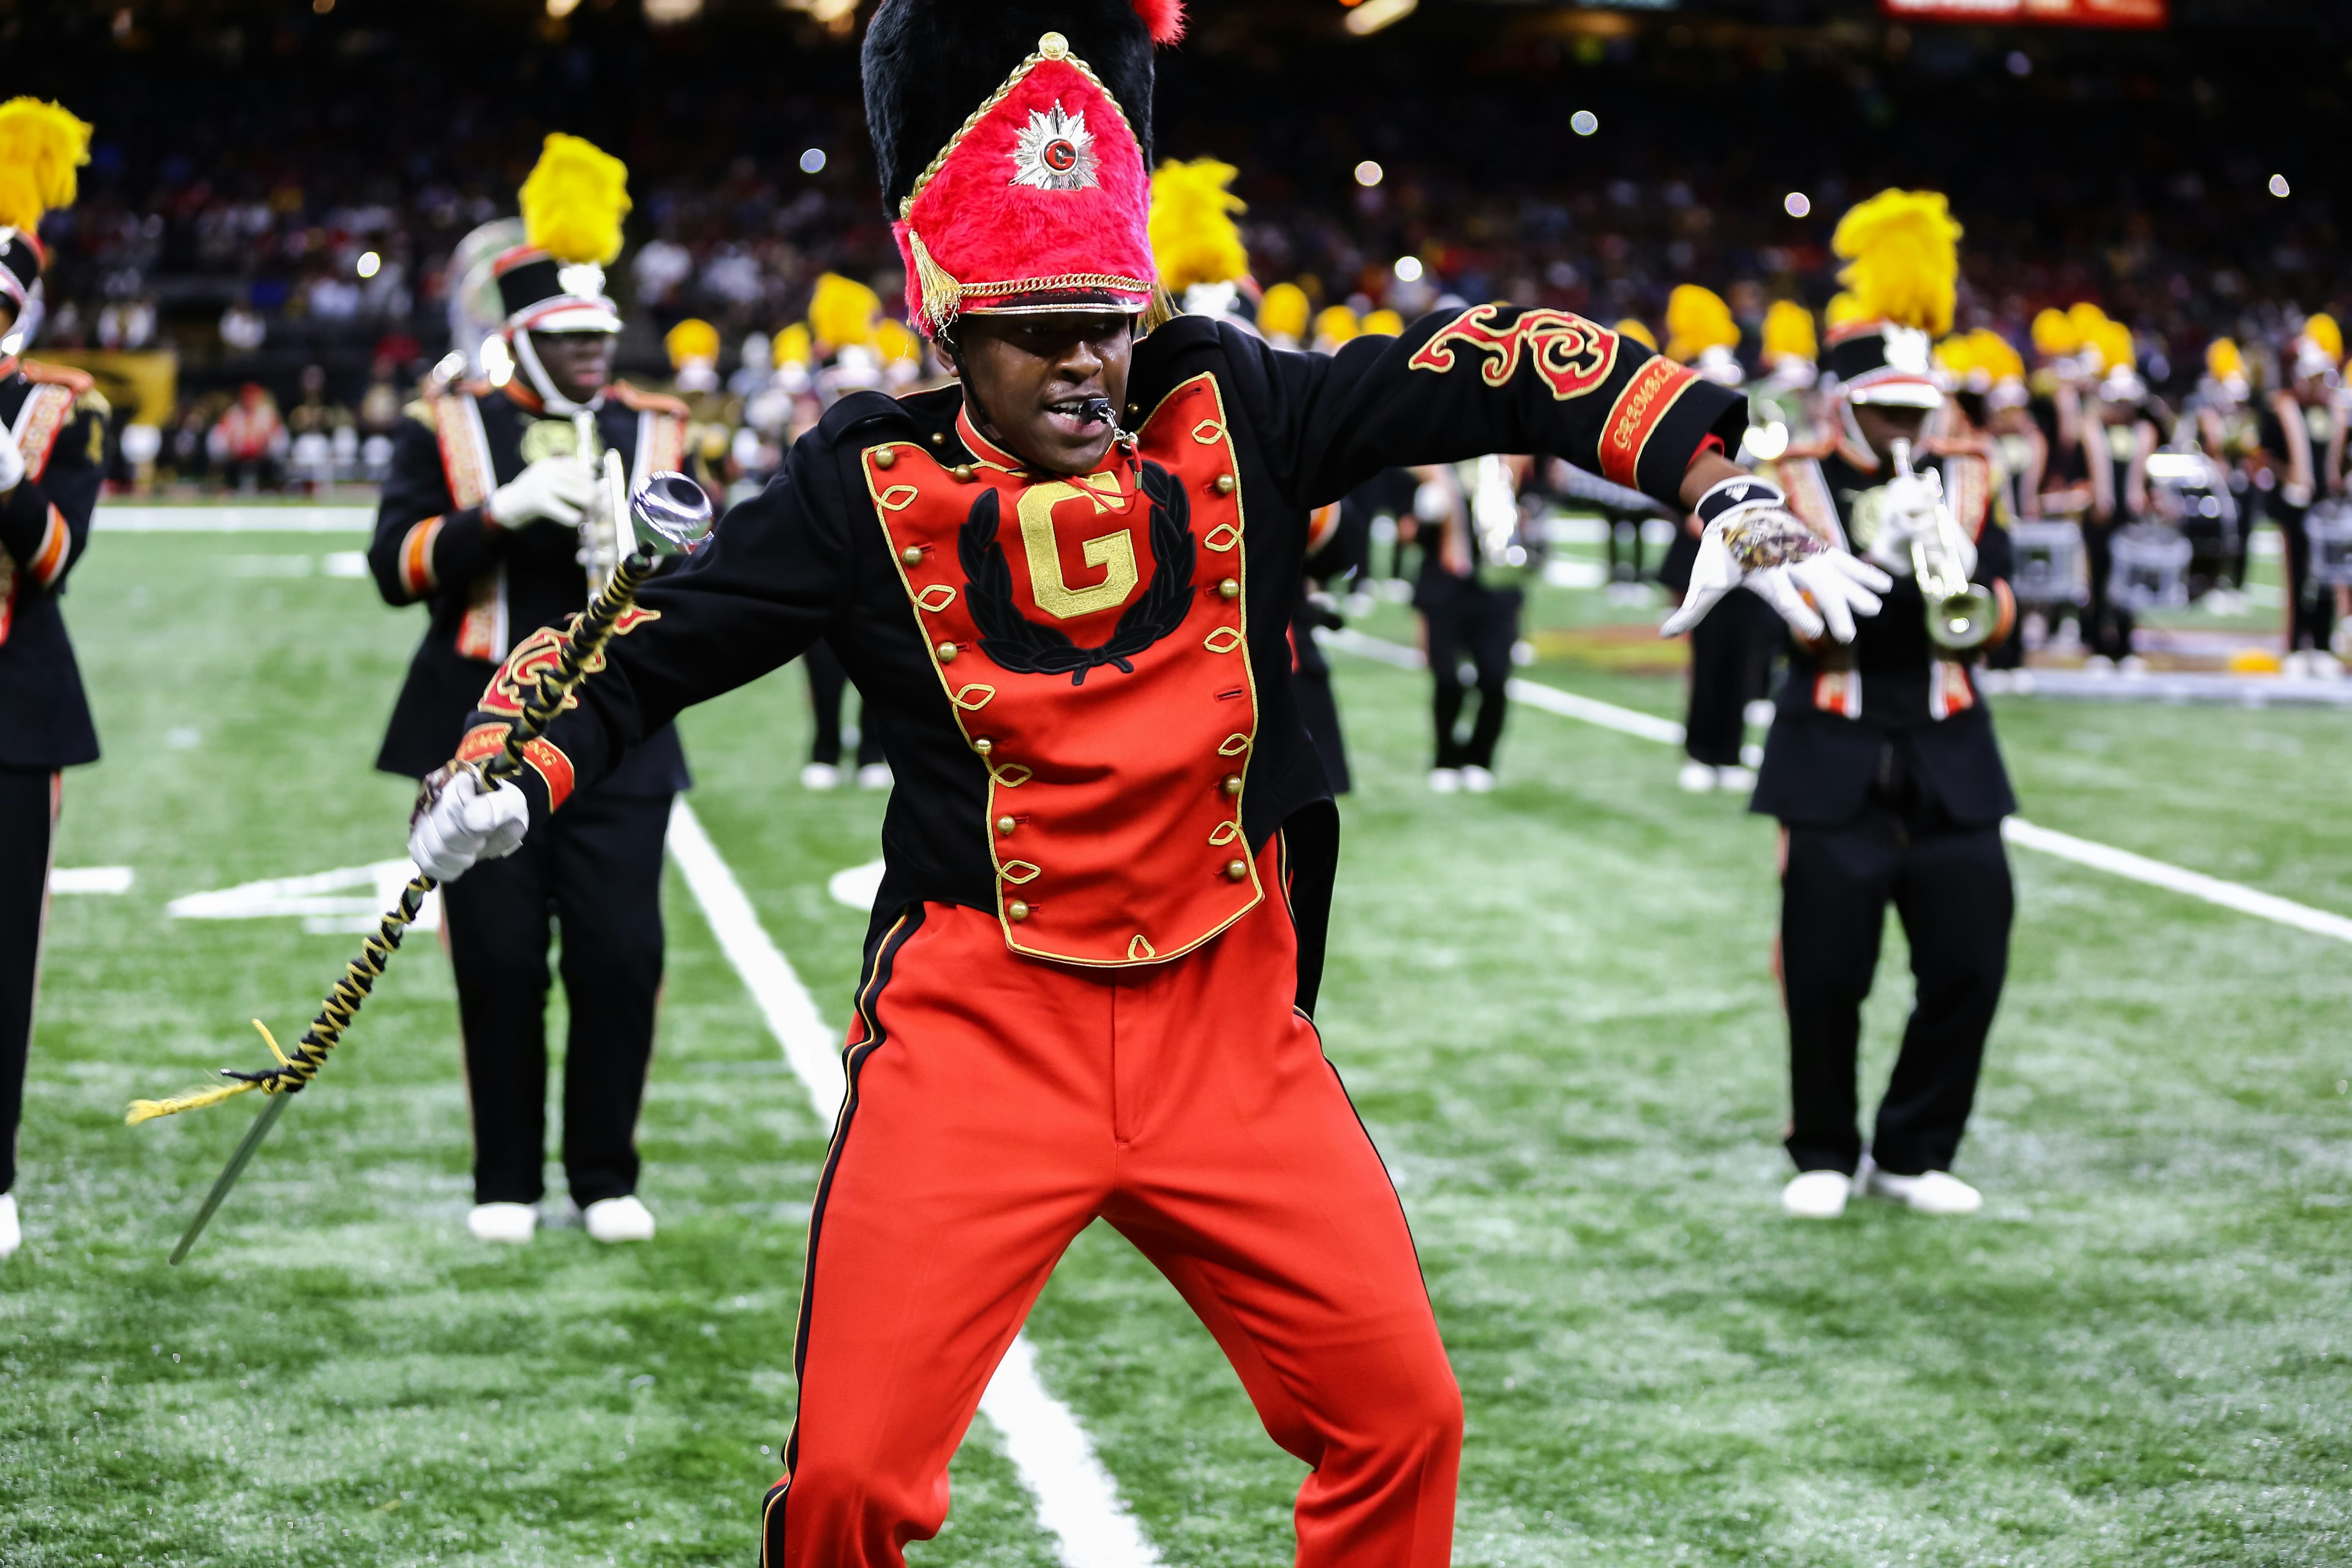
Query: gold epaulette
638, 399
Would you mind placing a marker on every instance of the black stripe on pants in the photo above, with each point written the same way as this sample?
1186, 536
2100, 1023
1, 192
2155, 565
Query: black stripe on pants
1953, 892
28, 820
596, 867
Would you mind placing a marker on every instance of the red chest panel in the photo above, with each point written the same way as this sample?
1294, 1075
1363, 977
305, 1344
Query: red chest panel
1092, 635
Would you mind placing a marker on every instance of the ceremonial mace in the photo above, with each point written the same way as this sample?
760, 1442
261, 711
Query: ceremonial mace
668, 515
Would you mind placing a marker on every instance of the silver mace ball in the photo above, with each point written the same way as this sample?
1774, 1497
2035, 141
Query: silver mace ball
671, 515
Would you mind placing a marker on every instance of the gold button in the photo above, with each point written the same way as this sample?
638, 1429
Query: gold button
1237, 870
913, 555
1052, 46
1006, 825
1232, 784
947, 652
886, 458
983, 745
1231, 588
1224, 484
938, 438
964, 472
1017, 910
1135, 408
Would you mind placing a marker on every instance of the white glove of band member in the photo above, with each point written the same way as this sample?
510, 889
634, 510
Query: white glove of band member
12, 464
1752, 541
553, 489
459, 822
1908, 511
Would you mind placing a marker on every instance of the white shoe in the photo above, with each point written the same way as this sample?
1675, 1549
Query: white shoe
1445, 780
2098, 664
2132, 664
1478, 781
875, 775
2325, 666
820, 775
1937, 1193
1817, 1194
511, 1225
1696, 778
618, 1219
1740, 778
11, 1236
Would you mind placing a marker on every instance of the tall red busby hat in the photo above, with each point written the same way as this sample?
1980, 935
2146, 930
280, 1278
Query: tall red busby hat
1014, 141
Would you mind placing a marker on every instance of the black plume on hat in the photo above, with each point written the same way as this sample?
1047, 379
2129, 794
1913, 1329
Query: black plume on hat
929, 64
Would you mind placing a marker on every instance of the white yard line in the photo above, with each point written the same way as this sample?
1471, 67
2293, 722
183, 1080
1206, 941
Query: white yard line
2015, 829
1075, 1499
110, 519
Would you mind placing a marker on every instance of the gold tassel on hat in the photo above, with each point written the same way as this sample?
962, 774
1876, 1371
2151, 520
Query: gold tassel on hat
942, 296
574, 202
41, 145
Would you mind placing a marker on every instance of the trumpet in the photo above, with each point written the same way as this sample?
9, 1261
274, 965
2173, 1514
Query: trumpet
1961, 615
603, 522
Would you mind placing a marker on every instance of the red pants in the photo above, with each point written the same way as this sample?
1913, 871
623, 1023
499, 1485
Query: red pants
997, 1105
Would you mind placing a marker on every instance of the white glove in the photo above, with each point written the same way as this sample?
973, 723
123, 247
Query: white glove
1752, 541
12, 464
553, 489
459, 822
1909, 511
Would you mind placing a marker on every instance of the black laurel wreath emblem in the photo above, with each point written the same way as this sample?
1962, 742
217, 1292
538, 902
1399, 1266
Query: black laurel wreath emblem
1020, 645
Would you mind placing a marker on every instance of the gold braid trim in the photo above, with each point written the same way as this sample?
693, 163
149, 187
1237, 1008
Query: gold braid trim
585, 647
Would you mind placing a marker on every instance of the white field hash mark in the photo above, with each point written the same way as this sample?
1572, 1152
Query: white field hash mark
2015, 829
1075, 1500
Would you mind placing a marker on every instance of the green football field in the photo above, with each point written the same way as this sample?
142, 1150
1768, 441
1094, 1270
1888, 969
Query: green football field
1553, 1007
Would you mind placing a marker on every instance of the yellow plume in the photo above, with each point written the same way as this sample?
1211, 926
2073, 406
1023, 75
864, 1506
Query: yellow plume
1632, 327
1902, 251
1337, 325
2222, 360
1387, 323
2112, 344
1997, 356
1697, 319
1193, 239
1283, 312
1844, 310
792, 346
2056, 335
894, 342
574, 202
1958, 355
2086, 317
1789, 334
692, 339
842, 312
2323, 331
41, 145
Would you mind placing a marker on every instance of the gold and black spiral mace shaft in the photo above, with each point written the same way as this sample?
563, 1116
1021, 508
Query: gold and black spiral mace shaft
582, 649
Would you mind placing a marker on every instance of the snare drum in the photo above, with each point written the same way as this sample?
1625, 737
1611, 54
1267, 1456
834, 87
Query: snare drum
2048, 563
2151, 569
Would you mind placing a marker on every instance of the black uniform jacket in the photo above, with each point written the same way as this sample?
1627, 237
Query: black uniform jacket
489, 586
58, 423
811, 557
1843, 709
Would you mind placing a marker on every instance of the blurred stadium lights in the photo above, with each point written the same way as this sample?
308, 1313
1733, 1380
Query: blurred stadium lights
1368, 173
559, 9
1797, 204
1584, 123
1368, 16
369, 264
1408, 269
2279, 187
837, 16
670, 13
812, 161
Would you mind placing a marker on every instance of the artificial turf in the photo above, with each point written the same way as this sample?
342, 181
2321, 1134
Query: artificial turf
1553, 1006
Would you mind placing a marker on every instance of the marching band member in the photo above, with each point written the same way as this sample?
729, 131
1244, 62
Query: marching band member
2297, 426
1469, 599
842, 316
1731, 647
2121, 433
52, 444
1988, 412
2230, 430
1881, 764
481, 518
1093, 960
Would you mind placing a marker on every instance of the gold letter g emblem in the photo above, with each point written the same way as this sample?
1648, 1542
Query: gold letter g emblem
1114, 553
